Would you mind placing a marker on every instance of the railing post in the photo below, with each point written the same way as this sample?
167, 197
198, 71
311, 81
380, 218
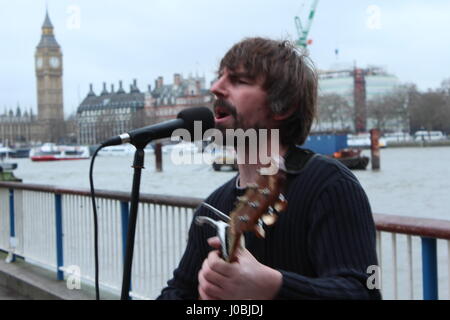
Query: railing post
59, 237
125, 215
429, 269
12, 226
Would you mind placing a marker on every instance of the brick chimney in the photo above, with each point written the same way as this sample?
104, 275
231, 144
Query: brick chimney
91, 91
104, 92
198, 86
120, 88
133, 87
177, 79
159, 82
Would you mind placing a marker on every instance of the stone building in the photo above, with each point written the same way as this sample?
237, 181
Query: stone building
167, 100
113, 112
109, 113
17, 128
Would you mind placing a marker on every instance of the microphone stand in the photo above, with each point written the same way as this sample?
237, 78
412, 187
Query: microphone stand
138, 165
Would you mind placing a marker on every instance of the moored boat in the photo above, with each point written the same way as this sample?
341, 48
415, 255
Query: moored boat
53, 152
337, 146
352, 158
123, 150
4, 151
6, 172
20, 153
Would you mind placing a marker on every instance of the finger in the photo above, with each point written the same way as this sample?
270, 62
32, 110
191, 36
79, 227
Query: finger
212, 276
218, 265
204, 296
208, 288
214, 242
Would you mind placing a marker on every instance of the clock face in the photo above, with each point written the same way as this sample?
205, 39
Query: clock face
39, 63
54, 62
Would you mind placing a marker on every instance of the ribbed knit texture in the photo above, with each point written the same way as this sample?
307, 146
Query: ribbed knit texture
322, 244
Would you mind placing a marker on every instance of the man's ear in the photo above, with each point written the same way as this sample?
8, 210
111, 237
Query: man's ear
284, 115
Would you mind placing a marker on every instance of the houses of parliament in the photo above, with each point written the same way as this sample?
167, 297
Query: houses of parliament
22, 126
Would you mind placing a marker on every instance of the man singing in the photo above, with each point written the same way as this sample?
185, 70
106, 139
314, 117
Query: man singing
324, 242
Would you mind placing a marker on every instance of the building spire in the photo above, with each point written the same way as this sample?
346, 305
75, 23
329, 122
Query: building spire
47, 23
47, 37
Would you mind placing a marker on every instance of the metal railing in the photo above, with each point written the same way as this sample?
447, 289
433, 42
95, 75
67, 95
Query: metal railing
53, 228
413, 254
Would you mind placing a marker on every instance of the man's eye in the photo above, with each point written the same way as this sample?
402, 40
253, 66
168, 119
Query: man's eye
238, 80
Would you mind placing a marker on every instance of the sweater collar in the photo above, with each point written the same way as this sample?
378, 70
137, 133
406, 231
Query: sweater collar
295, 160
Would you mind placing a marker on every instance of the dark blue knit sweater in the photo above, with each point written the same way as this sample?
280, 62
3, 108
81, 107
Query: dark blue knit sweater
322, 244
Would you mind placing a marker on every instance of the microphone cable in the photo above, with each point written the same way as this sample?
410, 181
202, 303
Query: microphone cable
186, 119
94, 208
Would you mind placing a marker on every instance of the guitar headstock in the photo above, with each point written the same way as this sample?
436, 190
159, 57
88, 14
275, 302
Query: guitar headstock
262, 200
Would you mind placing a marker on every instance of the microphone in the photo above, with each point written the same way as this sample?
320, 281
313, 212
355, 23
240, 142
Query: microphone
185, 120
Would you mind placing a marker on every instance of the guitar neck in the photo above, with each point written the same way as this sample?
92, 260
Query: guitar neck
261, 200
235, 241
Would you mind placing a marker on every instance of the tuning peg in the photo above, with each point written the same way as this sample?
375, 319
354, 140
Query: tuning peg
259, 231
269, 219
280, 204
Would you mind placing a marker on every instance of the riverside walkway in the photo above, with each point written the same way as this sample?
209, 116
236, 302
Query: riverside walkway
20, 280
50, 232
8, 294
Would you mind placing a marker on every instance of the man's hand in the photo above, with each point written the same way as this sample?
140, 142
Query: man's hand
244, 279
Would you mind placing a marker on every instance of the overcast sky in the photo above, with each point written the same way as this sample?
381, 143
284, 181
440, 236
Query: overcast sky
112, 40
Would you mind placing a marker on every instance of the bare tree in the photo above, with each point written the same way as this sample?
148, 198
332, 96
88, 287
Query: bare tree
334, 113
431, 111
445, 86
390, 111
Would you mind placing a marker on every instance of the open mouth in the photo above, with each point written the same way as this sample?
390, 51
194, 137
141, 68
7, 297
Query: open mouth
221, 112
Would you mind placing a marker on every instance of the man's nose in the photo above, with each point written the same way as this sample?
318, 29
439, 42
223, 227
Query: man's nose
219, 87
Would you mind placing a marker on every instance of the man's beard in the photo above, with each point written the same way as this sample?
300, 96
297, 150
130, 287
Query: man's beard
231, 109
238, 122
227, 130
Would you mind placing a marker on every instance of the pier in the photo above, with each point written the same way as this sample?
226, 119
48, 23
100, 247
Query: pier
46, 236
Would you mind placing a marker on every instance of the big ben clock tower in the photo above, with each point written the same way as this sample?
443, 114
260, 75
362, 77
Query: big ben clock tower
49, 71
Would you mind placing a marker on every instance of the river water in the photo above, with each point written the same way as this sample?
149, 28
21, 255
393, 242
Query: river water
411, 182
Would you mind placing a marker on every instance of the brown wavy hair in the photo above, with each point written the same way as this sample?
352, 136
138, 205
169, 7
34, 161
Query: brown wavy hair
290, 81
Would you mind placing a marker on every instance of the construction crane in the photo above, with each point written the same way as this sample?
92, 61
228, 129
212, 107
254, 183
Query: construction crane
302, 32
